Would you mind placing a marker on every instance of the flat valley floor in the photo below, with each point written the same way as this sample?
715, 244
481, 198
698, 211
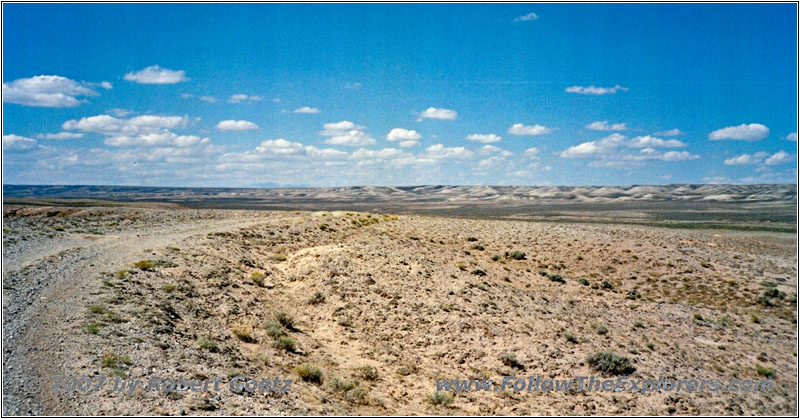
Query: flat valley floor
384, 305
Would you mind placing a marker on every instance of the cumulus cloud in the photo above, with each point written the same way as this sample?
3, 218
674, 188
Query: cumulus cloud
439, 151
520, 129
760, 158
241, 98
346, 133
648, 141
144, 130
792, 136
163, 138
232, 125
355, 85
106, 124
46, 91
438, 113
280, 149
61, 136
745, 132
407, 137
526, 18
610, 151
156, 75
605, 126
779, 158
746, 159
593, 90
670, 133
483, 138
306, 109
17, 142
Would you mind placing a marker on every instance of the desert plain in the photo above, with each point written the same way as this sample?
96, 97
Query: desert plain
364, 297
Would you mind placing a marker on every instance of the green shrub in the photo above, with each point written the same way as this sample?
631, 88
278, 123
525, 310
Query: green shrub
516, 255
479, 272
258, 278
510, 360
478, 246
208, 345
439, 398
169, 288
367, 372
309, 373
583, 281
570, 337
97, 309
93, 328
285, 343
471, 239
601, 330
144, 265
285, 319
317, 298
633, 295
274, 329
765, 372
610, 363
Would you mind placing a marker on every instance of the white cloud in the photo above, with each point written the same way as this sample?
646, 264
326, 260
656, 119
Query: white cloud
402, 134
779, 158
609, 151
279, 146
670, 133
438, 113
119, 112
383, 154
240, 97
18, 142
333, 128
156, 75
792, 136
46, 91
144, 130
346, 133
306, 109
408, 143
209, 99
582, 150
106, 124
61, 136
746, 132
520, 129
745, 159
484, 138
164, 138
231, 125
648, 141
439, 151
531, 153
605, 126
106, 85
593, 90
355, 85
526, 18
352, 138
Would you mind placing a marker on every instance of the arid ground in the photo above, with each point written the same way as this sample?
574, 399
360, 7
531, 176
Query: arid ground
383, 304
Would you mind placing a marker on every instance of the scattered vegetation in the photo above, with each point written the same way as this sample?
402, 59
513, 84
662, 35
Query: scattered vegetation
610, 363
244, 331
285, 319
765, 372
285, 343
309, 373
144, 265
510, 360
317, 298
439, 398
367, 372
516, 255
258, 278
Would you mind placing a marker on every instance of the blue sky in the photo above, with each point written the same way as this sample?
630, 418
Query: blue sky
391, 94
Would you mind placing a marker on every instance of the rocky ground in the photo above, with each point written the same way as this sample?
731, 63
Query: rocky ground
365, 311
